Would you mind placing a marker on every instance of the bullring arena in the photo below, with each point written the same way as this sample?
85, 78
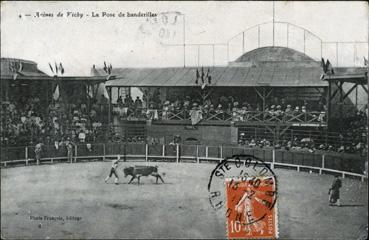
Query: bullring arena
178, 208
201, 96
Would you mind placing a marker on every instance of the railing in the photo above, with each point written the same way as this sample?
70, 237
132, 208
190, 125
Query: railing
344, 164
279, 34
322, 137
295, 118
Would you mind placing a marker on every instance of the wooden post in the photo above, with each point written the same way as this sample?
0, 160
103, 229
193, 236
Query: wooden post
221, 152
26, 155
273, 158
75, 153
163, 150
197, 154
104, 152
146, 152
323, 161
206, 151
177, 153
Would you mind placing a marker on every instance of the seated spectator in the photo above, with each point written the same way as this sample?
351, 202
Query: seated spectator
279, 111
296, 111
211, 109
272, 110
243, 113
303, 109
235, 112
219, 109
252, 143
165, 113
341, 149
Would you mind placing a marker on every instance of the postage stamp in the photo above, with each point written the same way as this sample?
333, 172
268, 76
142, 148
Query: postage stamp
245, 188
251, 208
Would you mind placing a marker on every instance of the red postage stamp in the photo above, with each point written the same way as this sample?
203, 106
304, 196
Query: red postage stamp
251, 208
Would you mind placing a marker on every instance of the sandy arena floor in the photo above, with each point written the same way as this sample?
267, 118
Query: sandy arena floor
179, 208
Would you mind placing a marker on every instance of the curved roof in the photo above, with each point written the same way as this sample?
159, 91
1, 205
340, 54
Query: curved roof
274, 54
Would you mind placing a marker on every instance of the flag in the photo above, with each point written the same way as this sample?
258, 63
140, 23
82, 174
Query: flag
51, 67
61, 68
203, 86
56, 93
324, 66
329, 67
102, 92
56, 68
202, 75
11, 67
90, 91
197, 76
110, 68
20, 67
365, 62
322, 76
105, 67
208, 76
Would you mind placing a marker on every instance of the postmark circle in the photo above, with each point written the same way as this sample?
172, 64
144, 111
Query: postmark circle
254, 174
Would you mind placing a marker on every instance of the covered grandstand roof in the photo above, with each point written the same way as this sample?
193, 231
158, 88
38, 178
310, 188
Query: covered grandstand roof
221, 77
267, 66
27, 70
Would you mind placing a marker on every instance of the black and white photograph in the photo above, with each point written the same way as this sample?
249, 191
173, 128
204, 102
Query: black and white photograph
184, 120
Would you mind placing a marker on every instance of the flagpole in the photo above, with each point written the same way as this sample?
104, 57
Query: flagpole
184, 41
273, 21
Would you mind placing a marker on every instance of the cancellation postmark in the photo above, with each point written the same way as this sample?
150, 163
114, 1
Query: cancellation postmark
165, 28
245, 188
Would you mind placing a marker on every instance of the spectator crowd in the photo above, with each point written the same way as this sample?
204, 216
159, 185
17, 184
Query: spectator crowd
223, 109
28, 121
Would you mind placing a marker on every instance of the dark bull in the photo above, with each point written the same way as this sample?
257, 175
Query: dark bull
139, 171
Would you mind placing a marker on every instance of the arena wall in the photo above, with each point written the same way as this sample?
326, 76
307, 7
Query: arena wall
222, 135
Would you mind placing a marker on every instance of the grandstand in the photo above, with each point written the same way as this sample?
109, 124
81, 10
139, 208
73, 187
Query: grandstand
274, 90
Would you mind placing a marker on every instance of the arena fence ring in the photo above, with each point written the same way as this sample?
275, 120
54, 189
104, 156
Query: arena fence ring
332, 163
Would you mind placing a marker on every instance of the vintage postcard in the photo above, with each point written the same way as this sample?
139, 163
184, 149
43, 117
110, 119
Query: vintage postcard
184, 120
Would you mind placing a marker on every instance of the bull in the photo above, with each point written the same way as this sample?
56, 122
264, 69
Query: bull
139, 171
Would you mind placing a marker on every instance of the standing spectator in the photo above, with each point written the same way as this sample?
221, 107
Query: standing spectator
138, 102
334, 192
120, 100
38, 149
82, 136
70, 148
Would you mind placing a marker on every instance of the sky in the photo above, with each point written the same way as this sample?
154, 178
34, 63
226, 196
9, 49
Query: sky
138, 41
